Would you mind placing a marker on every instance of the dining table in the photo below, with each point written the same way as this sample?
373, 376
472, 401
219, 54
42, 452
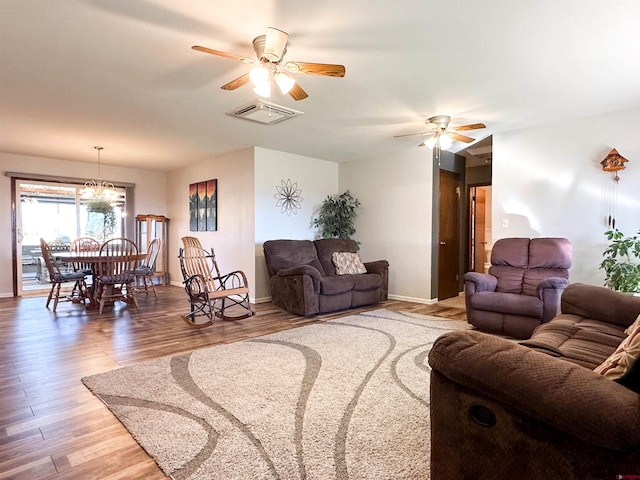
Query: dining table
92, 258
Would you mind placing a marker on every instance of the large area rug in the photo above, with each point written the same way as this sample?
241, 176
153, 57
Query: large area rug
345, 399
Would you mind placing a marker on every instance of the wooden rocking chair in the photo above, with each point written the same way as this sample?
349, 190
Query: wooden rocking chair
211, 294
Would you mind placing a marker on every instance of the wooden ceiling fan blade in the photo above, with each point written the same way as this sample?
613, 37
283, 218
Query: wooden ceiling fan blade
236, 83
326, 69
473, 126
222, 54
413, 134
460, 138
297, 93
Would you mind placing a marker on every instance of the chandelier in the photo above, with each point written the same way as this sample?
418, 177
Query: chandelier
99, 189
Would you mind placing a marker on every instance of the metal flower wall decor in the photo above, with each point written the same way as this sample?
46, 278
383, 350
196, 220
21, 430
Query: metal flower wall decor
288, 196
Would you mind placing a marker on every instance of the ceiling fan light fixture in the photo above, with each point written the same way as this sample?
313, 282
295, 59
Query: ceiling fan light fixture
285, 82
259, 76
275, 44
263, 90
445, 142
431, 142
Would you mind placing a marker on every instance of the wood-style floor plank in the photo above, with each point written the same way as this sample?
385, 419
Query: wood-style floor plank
52, 427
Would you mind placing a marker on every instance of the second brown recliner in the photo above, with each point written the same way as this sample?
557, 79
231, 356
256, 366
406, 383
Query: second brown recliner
522, 288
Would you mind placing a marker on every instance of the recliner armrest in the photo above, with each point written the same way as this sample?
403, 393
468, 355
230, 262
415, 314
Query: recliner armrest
566, 396
550, 291
479, 282
379, 266
300, 270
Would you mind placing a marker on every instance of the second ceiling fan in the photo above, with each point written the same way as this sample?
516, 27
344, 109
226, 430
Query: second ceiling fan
268, 65
442, 135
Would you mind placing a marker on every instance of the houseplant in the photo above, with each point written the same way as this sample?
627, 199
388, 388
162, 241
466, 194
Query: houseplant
101, 219
622, 262
337, 215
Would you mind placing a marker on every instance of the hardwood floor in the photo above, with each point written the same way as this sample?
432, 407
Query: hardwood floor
52, 427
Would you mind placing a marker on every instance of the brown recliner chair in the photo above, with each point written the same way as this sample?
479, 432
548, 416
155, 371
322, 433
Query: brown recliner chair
523, 286
303, 278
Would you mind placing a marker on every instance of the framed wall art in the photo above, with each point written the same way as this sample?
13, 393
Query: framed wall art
203, 206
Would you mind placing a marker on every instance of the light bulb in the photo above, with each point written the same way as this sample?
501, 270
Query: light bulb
445, 141
431, 142
263, 90
259, 76
285, 82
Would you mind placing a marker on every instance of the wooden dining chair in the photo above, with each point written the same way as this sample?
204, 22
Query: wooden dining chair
145, 271
225, 296
58, 278
84, 244
115, 277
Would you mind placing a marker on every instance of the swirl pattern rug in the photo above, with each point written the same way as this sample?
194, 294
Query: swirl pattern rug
345, 399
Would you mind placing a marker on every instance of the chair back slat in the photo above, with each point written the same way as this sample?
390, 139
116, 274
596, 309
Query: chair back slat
49, 261
118, 258
152, 254
196, 260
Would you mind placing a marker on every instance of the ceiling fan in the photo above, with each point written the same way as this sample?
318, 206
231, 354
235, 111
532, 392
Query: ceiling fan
442, 135
270, 50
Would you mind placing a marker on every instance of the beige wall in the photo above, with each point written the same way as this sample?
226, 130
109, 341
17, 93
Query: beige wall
394, 221
314, 178
547, 181
233, 241
150, 194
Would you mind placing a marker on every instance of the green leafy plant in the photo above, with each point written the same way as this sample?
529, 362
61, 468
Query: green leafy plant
337, 215
101, 219
622, 262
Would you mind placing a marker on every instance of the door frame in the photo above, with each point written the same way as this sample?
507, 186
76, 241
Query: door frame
16, 177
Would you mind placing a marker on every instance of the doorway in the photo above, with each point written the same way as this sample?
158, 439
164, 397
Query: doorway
448, 234
56, 212
479, 228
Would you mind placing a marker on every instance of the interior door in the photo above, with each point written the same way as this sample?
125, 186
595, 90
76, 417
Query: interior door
449, 223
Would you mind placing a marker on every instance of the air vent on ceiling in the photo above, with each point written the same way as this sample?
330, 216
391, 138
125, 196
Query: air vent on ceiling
263, 112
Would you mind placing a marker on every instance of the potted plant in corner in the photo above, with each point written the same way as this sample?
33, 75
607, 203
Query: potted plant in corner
622, 262
337, 215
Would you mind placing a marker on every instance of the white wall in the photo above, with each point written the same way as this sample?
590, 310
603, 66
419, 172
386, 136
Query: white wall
394, 220
315, 179
547, 181
150, 194
233, 241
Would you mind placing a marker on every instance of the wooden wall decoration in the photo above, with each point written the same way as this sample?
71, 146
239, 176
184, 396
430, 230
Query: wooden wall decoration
203, 206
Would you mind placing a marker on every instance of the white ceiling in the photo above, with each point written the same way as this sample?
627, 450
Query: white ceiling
121, 74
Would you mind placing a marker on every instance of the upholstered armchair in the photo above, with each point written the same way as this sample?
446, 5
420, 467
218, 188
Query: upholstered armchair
523, 286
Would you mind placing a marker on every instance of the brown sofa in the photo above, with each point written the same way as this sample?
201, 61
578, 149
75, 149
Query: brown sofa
303, 278
536, 409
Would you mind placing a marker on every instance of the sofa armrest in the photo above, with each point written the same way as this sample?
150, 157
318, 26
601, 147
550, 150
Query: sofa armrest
600, 303
300, 270
379, 266
479, 282
549, 291
566, 396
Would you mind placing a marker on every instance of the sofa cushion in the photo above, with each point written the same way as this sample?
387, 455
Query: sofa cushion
553, 253
587, 342
336, 284
347, 263
284, 254
509, 279
623, 358
533, 276
510, 303
367, 281
325, 248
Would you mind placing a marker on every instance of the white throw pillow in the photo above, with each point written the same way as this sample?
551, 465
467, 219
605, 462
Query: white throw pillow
347, 263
